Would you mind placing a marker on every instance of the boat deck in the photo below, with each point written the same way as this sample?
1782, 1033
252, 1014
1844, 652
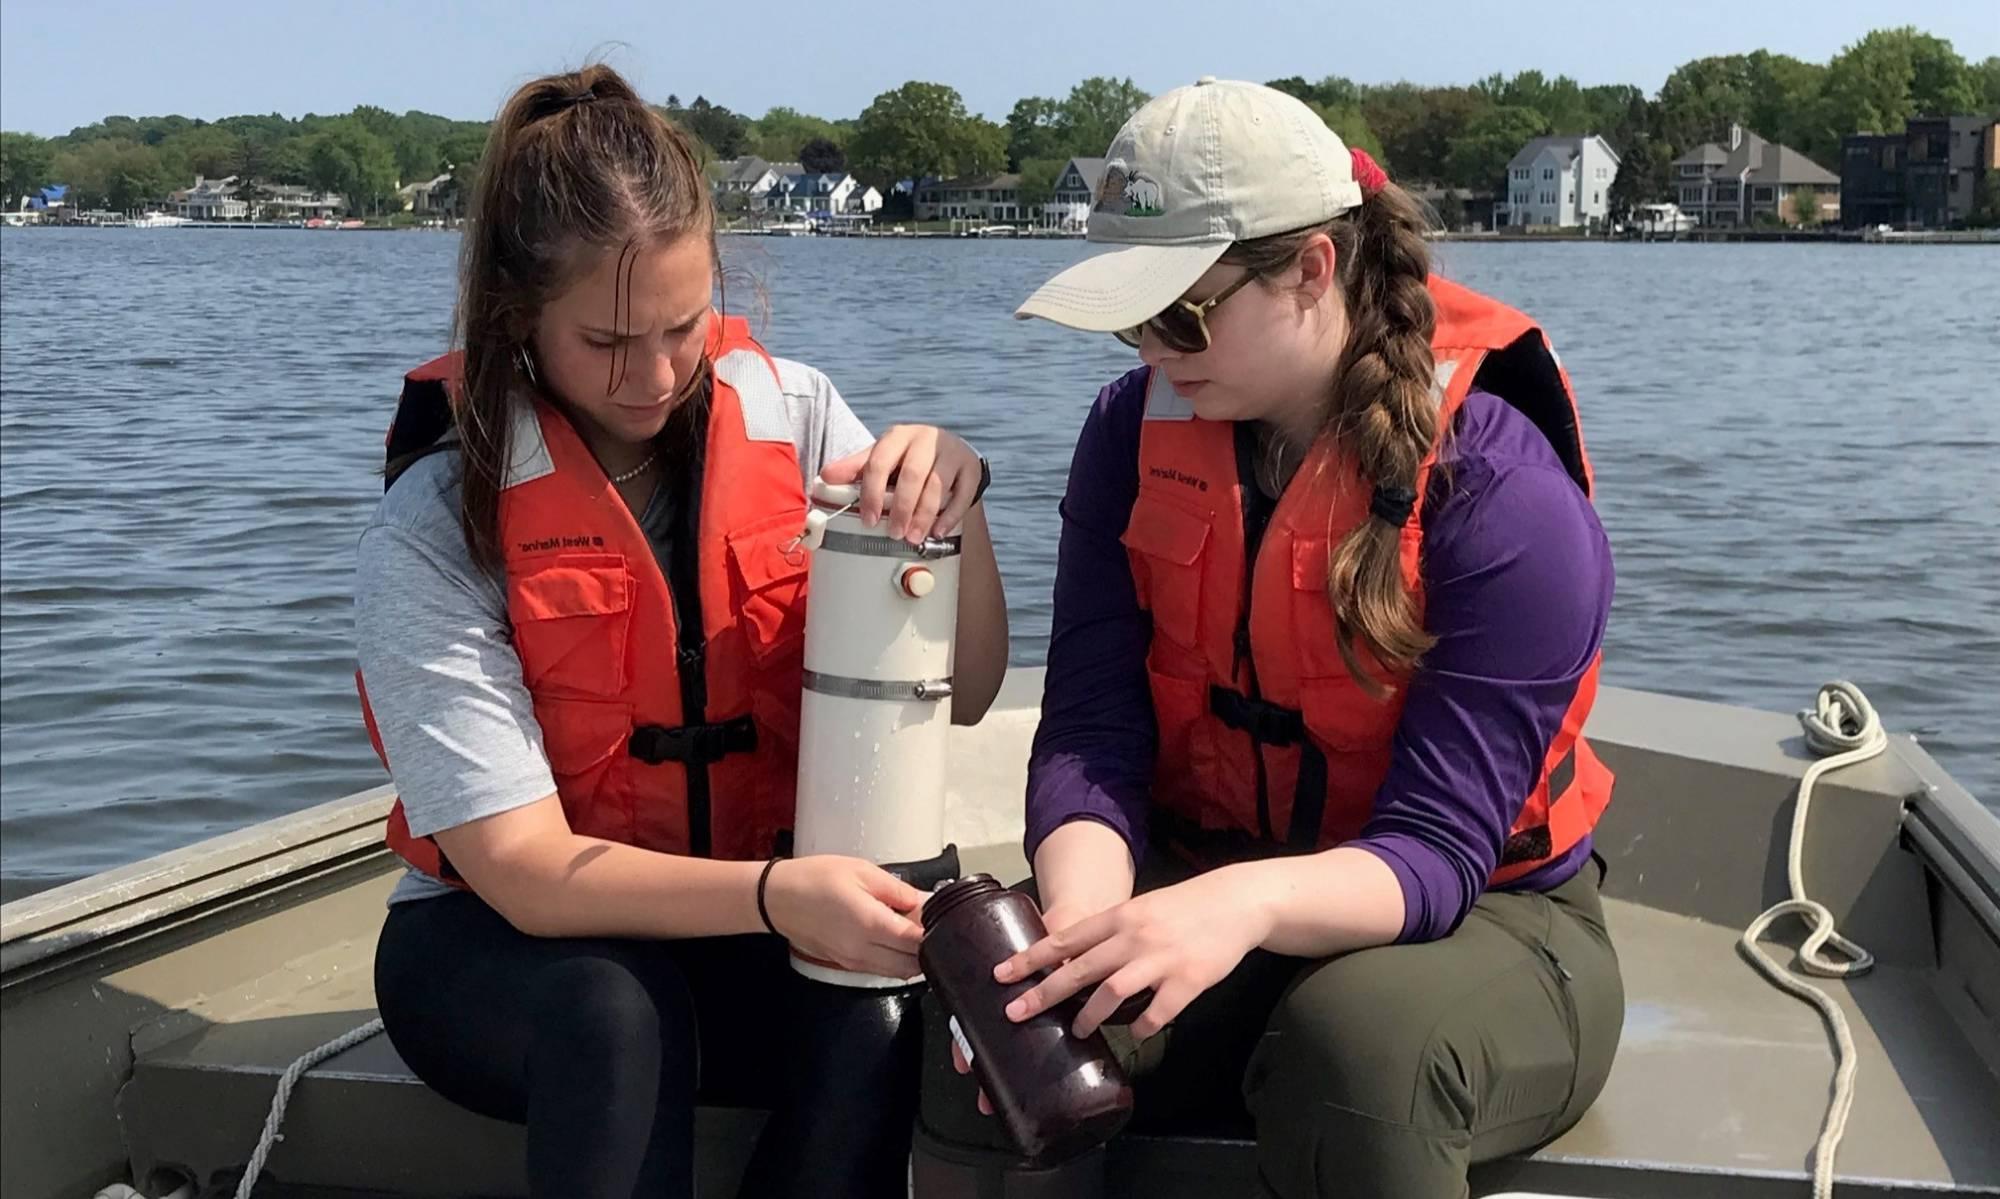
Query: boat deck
151, 1012
1719, 1074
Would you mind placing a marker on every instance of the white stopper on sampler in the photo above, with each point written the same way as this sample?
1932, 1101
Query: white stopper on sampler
875, 721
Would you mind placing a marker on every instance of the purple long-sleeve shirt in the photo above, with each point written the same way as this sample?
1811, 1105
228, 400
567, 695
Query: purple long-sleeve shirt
1517, 585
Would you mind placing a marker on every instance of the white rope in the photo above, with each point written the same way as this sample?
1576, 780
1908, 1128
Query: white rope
1841, 727
290, 1079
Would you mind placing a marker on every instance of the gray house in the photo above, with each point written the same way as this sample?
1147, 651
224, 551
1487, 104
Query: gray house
1735, 185
1560, 182
749, 176
1075, 192
211, 200
973, 197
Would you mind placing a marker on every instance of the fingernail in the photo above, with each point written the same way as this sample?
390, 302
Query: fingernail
1017, 1010
1004, 972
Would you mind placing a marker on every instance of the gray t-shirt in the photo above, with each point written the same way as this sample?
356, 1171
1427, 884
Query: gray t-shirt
436, 649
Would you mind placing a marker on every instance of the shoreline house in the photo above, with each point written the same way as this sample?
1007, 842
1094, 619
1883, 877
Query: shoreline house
1479, 209
787, 190
1560, 182
809, 193
296, 202
1751, 179
436, 197
749, 177
1926, 177
994, 197
47, 203
229, 200
1075, 192
210, 200
863, 200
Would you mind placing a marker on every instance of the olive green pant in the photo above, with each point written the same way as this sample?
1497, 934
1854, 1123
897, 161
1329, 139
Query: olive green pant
1388, 1071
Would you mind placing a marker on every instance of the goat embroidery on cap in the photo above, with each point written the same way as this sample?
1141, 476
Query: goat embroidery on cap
1128, 192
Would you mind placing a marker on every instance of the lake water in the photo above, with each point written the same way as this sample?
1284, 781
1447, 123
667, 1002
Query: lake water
1795, 448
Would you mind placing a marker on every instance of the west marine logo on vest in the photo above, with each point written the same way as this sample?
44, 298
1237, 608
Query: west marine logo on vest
578, 541
1170, 475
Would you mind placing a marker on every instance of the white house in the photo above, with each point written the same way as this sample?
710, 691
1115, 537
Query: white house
862, 201
211, 200
1563, 182
806, 193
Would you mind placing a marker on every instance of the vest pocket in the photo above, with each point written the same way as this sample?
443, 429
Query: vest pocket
1184, 766
769, 586
585, 743
1357, 733
1342, 716
1165, 544
571, 618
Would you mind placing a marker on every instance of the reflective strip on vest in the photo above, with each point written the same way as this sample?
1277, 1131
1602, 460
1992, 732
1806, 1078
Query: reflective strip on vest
758, 393
527, 448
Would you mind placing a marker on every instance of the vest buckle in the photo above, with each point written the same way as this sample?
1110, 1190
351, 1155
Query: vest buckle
692, 744
1266, 722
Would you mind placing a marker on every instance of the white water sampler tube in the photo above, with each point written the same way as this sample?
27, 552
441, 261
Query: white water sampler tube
875, 717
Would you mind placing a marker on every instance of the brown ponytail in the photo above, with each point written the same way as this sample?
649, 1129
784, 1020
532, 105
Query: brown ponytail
576, 164
1381, 410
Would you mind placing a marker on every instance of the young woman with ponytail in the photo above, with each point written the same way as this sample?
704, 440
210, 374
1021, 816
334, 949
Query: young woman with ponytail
580, 623
1310, 793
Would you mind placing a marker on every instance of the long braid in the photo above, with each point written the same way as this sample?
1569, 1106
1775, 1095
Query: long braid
1384, 414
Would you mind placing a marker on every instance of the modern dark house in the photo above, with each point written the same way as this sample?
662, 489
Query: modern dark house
1926, 177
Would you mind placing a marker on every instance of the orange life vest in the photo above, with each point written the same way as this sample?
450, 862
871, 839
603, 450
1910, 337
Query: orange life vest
1266, 742
670, 716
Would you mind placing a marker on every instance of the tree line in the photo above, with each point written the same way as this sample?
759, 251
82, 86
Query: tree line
1454, 136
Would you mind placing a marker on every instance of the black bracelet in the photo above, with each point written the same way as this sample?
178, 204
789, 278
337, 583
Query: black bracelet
762, 880
985, 479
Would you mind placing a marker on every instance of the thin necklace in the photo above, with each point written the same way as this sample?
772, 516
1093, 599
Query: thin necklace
636, 471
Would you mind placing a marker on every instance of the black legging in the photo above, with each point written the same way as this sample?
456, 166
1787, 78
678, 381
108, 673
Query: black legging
600, 1045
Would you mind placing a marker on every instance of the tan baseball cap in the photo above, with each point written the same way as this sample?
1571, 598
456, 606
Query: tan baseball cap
1192, 172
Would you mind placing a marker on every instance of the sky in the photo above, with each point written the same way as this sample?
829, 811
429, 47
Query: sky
64, 65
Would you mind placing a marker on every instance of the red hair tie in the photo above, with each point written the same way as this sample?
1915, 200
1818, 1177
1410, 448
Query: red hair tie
1368, 173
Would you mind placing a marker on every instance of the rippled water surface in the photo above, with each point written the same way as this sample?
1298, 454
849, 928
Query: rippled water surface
1795, 448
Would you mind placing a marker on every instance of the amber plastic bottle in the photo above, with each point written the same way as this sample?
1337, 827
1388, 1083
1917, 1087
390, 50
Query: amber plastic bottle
1056, 1093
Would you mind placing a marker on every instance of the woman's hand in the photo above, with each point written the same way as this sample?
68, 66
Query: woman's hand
1179, 941
936, 475
846, 911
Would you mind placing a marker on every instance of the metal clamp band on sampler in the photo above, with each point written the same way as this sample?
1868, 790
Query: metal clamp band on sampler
878, 689
931, 550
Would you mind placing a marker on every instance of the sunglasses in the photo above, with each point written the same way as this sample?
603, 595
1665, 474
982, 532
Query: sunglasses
1183, 325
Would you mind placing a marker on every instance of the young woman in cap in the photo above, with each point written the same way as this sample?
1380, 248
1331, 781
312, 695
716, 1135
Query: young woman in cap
580, 614
1309, 785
